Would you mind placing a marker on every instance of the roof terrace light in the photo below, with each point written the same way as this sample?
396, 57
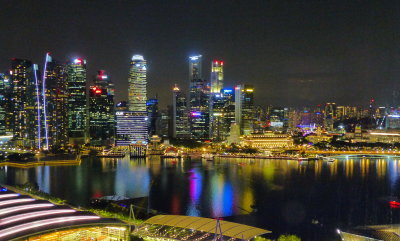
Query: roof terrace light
137, 57
24, 207
9, 195
40, 223
15, 201
20, 217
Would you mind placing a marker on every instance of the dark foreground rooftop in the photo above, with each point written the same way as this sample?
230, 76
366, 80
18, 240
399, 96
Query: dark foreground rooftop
22, 216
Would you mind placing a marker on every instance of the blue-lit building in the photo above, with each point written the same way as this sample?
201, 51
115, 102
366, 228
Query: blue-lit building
131, 128
152, 114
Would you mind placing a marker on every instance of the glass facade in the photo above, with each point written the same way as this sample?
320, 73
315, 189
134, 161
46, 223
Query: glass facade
77, 107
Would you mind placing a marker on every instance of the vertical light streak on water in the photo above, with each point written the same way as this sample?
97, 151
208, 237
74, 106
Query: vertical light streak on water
132, 180
44, 100
38, 105
43, 178
195, 189
217, 183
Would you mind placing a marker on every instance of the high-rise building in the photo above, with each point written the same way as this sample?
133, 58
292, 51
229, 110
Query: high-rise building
199, 101
152, 114
135, 120
7, 106
330, 115
164, 124
25, 88
54, 105
131, 128
217, 107
217, 100
180, 118
77, 104
244, 107
217, 76
228, 118
2, 106
137, 93
195, 69
101, 110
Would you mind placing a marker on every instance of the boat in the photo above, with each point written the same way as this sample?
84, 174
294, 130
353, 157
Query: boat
207, 156
112, 154
328, 159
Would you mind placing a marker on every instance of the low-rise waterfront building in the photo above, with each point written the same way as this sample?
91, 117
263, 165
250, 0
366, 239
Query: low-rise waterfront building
267, 141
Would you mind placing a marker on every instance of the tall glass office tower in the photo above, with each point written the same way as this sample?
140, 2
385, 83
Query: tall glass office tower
25, 84
132, 125
54, 105
77, 105
137, 93
217, 76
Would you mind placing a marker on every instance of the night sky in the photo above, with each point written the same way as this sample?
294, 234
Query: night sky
295, 53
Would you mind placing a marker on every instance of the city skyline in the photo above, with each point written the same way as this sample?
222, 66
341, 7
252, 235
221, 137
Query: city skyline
308, 47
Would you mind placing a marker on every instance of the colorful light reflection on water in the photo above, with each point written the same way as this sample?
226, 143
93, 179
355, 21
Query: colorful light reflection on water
286, 194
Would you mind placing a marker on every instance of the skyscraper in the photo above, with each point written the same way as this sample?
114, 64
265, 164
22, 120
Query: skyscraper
152, 114
180, 121
195, 67
217, 76
137, 93
54, 105
199, 109
7, 106
216, 100
101, 110
244, 106
77, 107
132, 125
199, 100
25, 88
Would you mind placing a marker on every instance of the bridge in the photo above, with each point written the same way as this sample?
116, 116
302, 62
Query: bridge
356, 154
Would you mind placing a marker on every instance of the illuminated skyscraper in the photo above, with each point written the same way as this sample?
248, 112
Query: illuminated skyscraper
6, 105
101, 110
195, 67
54, 105
137, 93
77, 107
217, 76
244, 107
131, 128
199, 115
132, 125
25, 87
152, 114
330, 115
180, 121
199, 100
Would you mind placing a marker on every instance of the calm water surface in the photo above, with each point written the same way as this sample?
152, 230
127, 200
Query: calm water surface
310, 199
